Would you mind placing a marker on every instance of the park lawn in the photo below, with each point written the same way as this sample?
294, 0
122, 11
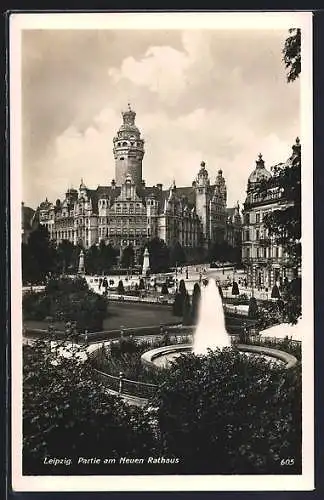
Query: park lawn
123, 314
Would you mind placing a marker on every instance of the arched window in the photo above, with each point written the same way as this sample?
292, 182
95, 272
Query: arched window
124, 143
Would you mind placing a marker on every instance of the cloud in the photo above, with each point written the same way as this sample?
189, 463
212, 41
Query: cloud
161, 71
166, 71
174, 150
218, 96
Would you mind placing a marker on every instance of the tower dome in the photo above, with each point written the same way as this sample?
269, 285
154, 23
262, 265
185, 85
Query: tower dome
203, 172
260, 172
202, 176
128, 149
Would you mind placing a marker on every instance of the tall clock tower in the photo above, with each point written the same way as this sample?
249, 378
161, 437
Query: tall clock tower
128, 150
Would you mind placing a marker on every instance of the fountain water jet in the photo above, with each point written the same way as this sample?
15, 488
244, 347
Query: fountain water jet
211, 334
211, 331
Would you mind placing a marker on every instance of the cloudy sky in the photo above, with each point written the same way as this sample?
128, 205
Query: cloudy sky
215, 95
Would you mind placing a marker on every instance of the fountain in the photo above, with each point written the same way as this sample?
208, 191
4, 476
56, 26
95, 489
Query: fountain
211, 332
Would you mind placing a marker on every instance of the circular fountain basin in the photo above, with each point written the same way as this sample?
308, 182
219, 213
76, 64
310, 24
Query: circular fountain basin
162, 357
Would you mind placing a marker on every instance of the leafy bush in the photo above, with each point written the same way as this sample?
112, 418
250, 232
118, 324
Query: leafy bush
290, 346
186, 311
124, 346
182, 287
67, 300
67, 412
228, 413
241, 300
120, 288
177, 307
253, 308
269, 314
196, 296
275, 294
125, 357
235, 288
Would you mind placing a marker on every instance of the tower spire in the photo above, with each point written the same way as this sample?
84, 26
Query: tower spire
128, 149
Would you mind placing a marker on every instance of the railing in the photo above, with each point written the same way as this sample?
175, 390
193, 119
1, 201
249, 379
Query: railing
124, 386
108, 380
138, 389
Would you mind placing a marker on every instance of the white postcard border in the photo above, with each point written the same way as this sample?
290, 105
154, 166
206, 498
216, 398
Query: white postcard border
193, 20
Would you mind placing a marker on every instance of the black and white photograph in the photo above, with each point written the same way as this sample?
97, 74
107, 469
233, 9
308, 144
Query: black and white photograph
161, 251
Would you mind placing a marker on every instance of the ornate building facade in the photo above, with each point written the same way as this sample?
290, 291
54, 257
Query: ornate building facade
129, 212
265, 261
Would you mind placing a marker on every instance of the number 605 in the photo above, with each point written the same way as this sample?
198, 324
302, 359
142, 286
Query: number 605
287, 461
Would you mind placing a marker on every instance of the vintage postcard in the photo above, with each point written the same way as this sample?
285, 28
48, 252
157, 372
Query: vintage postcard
161, 243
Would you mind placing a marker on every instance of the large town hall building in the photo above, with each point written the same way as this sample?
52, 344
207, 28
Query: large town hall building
129, 212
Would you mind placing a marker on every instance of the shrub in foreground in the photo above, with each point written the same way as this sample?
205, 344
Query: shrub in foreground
67, 299
226, 413
67, 413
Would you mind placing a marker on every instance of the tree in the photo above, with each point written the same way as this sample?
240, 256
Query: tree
182, 287
67, 299
235, 288
284, 223
222, 252
128, 257
91, 260
39, 257
177, 306
275, 294
186, 310
253, 308
120, 288
110, 257
159, 255
177, 254
65, 252
226, 413
196, 295
68, 413
292, 54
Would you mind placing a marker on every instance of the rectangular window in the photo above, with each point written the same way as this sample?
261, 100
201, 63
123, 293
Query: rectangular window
257, 218
257, 234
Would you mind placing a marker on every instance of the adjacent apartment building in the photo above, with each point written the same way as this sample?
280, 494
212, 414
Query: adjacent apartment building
265, 261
